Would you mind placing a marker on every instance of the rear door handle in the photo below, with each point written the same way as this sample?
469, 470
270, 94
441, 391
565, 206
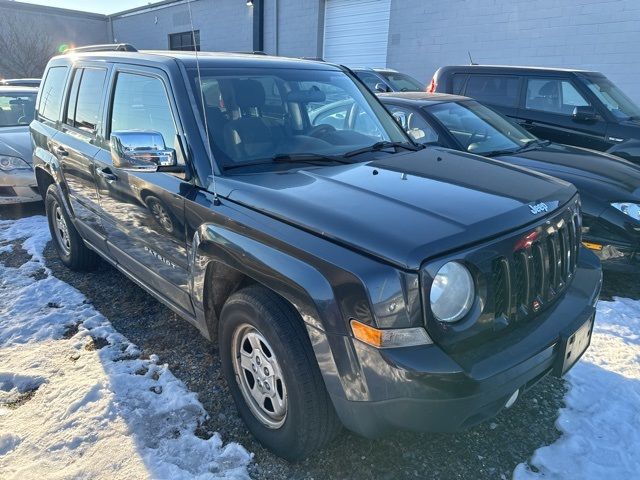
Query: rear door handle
107, 175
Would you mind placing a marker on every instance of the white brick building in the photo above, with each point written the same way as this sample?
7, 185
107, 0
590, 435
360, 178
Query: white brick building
415, 36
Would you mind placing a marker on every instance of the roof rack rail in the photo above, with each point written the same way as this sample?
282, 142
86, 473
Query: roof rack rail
254, 52
107, 47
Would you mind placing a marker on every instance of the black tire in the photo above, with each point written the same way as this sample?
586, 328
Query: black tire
70, 247
310, 421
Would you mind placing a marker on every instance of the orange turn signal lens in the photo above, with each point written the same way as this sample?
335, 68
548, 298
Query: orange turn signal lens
399, 337
592, 246
367, 334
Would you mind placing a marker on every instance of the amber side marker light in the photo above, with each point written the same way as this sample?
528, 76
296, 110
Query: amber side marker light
398, 337
592, 246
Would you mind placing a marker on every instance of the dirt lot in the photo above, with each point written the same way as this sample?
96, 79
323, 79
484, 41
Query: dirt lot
491, 450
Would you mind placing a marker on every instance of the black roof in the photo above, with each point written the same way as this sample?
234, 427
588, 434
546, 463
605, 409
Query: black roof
513, 69
206, 59
422, 98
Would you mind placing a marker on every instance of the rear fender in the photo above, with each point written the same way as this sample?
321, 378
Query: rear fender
45, 163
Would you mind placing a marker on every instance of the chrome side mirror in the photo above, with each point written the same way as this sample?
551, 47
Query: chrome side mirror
140, 151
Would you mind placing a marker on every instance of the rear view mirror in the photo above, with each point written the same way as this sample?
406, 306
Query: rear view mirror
141, 151
585, 114
312, 95
417, 134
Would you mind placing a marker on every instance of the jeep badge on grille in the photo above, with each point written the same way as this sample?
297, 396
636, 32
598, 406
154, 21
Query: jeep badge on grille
539, 208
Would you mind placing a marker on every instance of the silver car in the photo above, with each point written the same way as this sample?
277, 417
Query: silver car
17, 180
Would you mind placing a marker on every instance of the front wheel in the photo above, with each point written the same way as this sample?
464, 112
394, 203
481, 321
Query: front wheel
273, 375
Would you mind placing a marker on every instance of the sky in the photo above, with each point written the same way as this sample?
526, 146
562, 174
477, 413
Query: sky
96, 6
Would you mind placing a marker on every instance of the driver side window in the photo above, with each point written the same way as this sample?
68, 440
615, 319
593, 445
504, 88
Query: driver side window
140, 103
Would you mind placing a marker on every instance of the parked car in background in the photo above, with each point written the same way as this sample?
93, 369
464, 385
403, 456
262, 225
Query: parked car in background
349, 275
609, 186
20, 82
17, 182
387, 80
573, 107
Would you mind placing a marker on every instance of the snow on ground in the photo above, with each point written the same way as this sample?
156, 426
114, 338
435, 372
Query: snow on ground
76, 399
601, 420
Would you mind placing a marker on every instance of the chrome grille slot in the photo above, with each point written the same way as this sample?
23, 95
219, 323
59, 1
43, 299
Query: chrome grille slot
539, 269
502, 287
521, 279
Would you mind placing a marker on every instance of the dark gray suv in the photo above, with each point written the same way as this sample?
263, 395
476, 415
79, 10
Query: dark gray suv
349, 276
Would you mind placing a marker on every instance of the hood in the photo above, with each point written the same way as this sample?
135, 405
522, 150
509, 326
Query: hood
612, 177
16, 142
404, 208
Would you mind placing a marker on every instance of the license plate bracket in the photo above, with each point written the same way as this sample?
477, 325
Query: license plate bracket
572, 346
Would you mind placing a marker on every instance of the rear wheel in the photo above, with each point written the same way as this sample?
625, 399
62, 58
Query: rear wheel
273, 375
66, 239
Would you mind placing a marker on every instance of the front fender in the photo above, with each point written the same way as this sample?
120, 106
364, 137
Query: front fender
303, 285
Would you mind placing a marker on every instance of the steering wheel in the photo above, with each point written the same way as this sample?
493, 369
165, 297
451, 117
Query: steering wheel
321, 130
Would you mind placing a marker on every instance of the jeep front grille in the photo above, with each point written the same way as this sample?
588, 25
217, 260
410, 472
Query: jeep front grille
539, 269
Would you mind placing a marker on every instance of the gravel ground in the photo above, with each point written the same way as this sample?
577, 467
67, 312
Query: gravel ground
488, 451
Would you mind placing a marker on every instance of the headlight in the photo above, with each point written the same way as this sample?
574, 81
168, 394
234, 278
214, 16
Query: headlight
452, 292
12, 163
631, 209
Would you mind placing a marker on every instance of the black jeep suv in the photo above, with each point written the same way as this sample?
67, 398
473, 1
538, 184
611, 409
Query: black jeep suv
574, 107
349, 276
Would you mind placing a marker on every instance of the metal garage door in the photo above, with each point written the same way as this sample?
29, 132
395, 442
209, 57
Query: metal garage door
356, 32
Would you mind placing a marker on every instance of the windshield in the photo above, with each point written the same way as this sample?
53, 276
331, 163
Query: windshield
257, 115
479, 129
17, 109
612, 97
402, 83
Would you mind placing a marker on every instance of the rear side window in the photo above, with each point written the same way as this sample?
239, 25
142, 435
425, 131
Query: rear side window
457, 83
83, 111
553, 95
51, 93
498, 90
140, 102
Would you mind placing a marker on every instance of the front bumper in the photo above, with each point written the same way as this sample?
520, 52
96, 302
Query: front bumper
423, 389
18, 186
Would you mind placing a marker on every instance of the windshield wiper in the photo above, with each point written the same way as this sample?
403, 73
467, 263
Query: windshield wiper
306, 158
530, 145
533, 144
376, 147
313, 158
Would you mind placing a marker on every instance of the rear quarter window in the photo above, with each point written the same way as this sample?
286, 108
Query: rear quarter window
51, 93
500, 90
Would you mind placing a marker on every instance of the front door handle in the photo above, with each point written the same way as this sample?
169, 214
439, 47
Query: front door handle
60, 150
107, 175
